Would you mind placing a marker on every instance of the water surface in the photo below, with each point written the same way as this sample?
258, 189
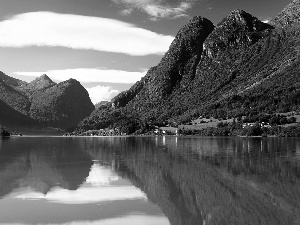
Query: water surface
149, 180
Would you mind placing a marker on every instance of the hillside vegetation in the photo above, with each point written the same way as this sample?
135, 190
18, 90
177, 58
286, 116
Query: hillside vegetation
239, 67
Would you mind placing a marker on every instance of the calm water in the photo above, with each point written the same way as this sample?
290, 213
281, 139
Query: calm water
156, 180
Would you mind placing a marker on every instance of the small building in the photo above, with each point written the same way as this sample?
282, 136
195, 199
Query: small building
169, 130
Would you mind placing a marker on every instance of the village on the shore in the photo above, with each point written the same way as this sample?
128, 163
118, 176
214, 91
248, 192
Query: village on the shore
280, 124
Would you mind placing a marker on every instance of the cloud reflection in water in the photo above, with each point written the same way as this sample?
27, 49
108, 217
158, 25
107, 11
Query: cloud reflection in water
96, 189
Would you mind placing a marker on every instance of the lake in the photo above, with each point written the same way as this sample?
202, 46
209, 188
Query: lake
149, 180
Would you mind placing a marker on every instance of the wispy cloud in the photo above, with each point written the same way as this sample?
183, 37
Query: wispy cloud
156, 8
81, 32
90, 75
101, 93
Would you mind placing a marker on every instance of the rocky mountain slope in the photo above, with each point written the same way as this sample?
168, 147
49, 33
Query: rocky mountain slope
240, 66
289, 16
42, 102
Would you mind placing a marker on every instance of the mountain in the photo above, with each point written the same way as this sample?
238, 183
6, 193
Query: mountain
177, 66
62, 105
289, 16
42, 102
40, 83
240, 66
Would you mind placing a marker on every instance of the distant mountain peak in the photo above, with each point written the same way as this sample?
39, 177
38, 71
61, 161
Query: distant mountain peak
45, 77
40, 83
72, 80
290, 15
43, 102
238, 12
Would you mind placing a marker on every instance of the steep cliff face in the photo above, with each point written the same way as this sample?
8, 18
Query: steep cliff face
43, 102
177, 68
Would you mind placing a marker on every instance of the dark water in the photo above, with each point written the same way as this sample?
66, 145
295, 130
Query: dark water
156, 180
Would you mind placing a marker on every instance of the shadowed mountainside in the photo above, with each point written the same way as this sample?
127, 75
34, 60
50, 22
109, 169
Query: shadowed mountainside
42, 102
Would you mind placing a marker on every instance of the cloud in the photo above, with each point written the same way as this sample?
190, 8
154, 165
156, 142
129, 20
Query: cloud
101, 93
86, 195
97, 188
156, 8
126, 12
101, 176
81, 32
88, 75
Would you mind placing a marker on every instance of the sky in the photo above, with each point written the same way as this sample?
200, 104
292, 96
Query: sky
107, 45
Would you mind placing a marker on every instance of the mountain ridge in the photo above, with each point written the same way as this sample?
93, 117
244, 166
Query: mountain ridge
201, 73
43, 102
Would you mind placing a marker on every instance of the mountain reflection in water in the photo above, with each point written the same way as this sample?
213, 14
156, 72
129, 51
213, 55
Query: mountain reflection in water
142, 180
